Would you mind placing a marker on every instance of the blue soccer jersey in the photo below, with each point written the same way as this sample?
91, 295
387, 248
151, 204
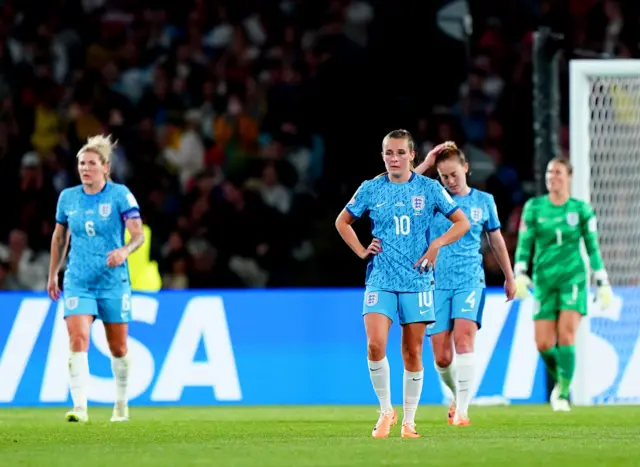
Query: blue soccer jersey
97, 224
459, 265
401, 216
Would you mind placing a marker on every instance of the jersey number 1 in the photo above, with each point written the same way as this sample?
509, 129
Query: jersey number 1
403, 225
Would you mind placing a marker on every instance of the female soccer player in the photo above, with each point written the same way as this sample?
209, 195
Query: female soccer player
401, 205
460, 281
555, 224
93, 217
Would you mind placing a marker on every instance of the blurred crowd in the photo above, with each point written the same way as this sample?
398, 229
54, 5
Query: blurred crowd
244, 126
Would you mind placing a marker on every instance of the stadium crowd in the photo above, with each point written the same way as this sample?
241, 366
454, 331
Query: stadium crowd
244, 126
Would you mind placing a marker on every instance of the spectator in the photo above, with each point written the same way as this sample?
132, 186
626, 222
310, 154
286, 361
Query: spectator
241, 125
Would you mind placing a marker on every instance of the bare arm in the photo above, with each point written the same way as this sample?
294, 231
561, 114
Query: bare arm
343, 224
499, 248
119, 256
429, 161
460, 227
134, 226
423, 166
59, 245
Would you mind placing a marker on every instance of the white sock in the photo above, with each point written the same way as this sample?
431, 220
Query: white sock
120, 367
412, 389
449, 377
79, 378
381, 380
465, 382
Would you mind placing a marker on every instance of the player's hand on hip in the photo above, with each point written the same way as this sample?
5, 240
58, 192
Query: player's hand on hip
523, 282
605, 296
374, 248
510, 289
427, 261
53, 289
117, 257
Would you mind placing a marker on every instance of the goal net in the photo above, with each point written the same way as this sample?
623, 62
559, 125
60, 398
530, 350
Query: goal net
605, 153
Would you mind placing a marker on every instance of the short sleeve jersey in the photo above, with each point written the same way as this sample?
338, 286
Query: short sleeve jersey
97, 225
401, 215
459, 264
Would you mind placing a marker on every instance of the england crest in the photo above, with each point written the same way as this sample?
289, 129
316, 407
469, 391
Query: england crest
417, 203
476, 214
572, 219
72, 303
104, 209
371, 299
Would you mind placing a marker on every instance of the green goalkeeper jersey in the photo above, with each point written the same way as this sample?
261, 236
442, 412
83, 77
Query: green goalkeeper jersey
556, 232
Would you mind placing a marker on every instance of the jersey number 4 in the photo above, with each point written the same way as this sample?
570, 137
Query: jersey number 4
403, 225
471, 300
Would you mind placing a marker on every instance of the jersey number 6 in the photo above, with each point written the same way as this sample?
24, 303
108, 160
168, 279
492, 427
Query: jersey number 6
403, 225
91, 231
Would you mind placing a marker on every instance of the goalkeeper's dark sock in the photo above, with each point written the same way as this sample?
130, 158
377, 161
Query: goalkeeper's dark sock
550, 358
566, 368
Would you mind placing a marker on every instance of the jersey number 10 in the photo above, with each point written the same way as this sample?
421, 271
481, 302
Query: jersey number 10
403, 225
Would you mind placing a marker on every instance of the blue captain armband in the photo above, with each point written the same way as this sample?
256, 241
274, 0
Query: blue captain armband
131, 214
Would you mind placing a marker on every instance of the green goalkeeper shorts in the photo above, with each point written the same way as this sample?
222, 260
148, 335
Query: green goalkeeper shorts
549, 302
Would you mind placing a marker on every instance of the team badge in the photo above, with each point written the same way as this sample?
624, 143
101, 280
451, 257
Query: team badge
105, 209
72, 303
476, 214
572, 219
371, 299
417, 203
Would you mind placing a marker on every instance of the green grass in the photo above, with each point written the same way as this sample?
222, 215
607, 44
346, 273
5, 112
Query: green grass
320, 436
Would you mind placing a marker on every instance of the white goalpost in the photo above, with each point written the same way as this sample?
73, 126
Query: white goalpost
604, 110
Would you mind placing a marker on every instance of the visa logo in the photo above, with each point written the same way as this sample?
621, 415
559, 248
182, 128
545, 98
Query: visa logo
202, 322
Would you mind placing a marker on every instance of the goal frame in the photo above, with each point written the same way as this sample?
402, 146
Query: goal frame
580, 71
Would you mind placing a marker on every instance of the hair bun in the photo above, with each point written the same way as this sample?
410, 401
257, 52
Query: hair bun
449, 145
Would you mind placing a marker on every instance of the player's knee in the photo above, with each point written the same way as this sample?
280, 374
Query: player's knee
566, 337
118, 349
464, 345
444, 359
412, 349
443, 355
463, 337
412, 357
375, 350
543, 343
79, 341
442, 350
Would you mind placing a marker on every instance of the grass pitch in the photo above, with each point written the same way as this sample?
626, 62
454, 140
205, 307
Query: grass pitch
320, 436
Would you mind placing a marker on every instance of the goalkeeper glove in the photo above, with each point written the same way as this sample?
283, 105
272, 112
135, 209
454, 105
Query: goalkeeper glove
604, 292
523, 281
